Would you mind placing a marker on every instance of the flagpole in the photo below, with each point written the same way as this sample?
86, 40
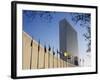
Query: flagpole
48, 59
53, 61
49, 56
57, 58
63, 60
44, 54
31, 54
53, 57
38, 55
60, 60
44, 60
31, 59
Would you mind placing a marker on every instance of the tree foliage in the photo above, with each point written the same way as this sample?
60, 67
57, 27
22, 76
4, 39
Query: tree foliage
43, 15
84, 20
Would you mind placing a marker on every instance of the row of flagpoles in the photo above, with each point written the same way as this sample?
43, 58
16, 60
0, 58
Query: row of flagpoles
49, 50
45, 51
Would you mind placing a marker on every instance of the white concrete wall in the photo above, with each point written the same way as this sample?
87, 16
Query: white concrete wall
40, 59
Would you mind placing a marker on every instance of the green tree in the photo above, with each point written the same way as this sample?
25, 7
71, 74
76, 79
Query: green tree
85, 21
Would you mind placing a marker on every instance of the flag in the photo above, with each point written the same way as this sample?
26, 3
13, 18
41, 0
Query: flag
45, 50
49, 48
38, 54
57, 57
57, 51
53, 52
39, 46
31, 42
60, 53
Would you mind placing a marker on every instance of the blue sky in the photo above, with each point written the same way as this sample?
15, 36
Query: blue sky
48, 31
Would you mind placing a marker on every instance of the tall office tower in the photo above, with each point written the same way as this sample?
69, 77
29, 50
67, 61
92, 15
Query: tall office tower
67, 39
